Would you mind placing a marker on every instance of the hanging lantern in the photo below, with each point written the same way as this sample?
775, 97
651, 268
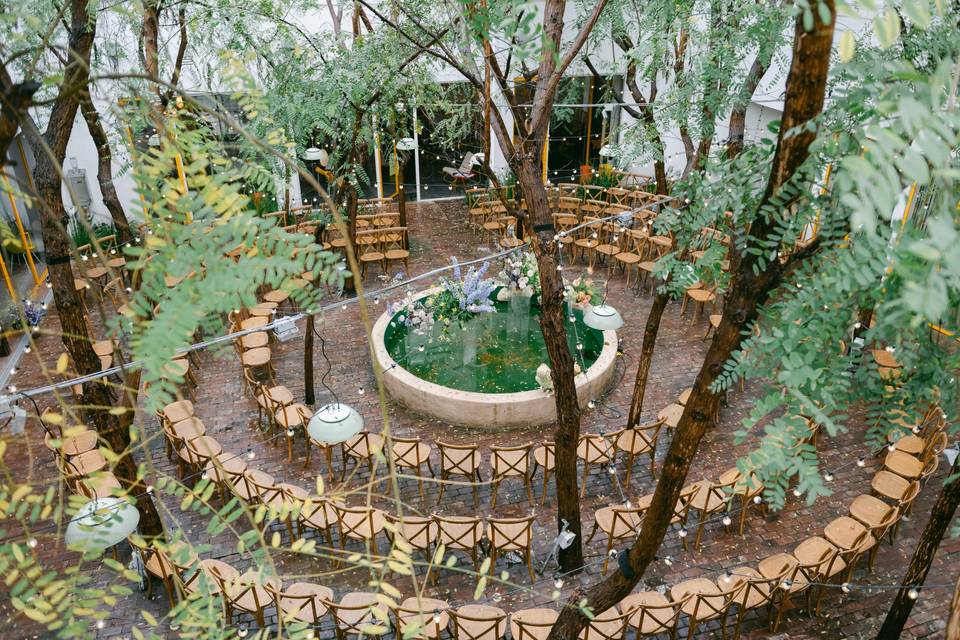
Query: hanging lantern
603, 318
102, 523
406, 144
335, 423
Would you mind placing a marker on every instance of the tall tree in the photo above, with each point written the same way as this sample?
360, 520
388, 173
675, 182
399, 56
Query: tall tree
50, 151
753, 281
105, 169
940, 517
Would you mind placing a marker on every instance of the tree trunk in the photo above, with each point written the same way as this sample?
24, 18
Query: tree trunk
738, 115
805, 90
15, 99
953, 624
309, 394
53, 222
105, 169
940, 517
554, 331
151, 29
650, 331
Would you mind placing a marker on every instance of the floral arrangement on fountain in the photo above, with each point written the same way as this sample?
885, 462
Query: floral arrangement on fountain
412, 314
545, 380
461, 297
583, 291
520, 274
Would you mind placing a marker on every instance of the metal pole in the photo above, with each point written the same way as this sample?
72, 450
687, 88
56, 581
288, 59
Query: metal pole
377, 159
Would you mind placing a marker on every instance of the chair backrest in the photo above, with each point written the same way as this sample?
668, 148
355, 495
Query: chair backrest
821, 568
459, 532
263, 486
467, 165
549, 453
360, 445
510, 461
393, 238
321, 505
608, 625
511, 533
462, 459
473, 622
249, 585
356, 522
654, 618
707, 606
627, 521
306, 604
595, 447
754, 591
537, 628
683, 502
418, 532
722, 491
642, 434
909, 495
368, 242
406, 452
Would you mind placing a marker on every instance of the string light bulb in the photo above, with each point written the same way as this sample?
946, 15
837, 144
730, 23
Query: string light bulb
913, 593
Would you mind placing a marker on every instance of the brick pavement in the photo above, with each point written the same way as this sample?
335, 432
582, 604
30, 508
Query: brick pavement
437, 231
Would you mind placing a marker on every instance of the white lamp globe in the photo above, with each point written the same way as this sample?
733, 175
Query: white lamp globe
603, 318
406, 144
335, 423
102, 523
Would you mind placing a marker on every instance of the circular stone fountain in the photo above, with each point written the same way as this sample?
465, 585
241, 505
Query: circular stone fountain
484, 374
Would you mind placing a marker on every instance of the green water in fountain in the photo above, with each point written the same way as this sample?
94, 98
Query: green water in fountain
503, 349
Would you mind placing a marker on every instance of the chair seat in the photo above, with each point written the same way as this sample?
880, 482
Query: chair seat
749, 597
253, 323
885, 359
813, 550
371, 256
396, 254
647, 265
188, 429
684, 396
256, 357
295, 606
911, 444
96, 272
783, 566
707, 501
715, 319
605, 625
86, 463
608, 249
627, 257
644, 502
742, 487
890, 485
264, 310
276, 296
869, 510
544, 458
103, 347
116, 263
671, 414
843, 533
102, 485
291, 415
255, 340
230, 464
586, 243
79, 443
650, 624
706, 589
176, 368
903, 464
350, 620
422, 453
701, 295
620, 524
277, 395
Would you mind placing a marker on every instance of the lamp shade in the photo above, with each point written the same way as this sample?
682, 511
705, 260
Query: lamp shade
335, 423
314, 154
102, 523
603, 318
606, 151
406, 144
154, 140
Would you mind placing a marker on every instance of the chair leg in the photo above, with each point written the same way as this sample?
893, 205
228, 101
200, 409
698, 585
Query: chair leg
526, 483
527, 554
496, 487
586, 474
443, 485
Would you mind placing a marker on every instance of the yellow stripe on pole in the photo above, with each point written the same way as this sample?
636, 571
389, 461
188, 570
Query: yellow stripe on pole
544, 156
6, 278
23, 233
909, 206
823, 191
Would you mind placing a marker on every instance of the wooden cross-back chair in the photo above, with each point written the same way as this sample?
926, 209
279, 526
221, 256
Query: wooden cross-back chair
459, 460
711, 498
507, 462
652, 613
544, 457
511, 534
369, 243
413, 454
637, 441
593, 449
395, 247
301, 602
478, 622
619, 522
359, 523
462, 533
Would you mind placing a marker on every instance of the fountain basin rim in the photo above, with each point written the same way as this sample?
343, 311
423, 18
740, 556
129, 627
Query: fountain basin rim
472, 408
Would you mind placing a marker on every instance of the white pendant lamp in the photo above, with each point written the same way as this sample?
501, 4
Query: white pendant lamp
314, 154
334, 423
406, 144
102, 523
603, 318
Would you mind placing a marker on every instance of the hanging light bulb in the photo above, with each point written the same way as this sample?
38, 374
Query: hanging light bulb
861, 461
913, 594
726, 521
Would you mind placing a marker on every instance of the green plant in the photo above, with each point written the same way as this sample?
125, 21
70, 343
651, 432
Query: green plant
80, 234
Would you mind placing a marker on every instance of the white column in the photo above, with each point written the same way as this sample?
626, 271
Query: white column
376, 158
416, 150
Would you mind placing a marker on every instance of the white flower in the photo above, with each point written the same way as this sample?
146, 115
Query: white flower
503, 295
543, 378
